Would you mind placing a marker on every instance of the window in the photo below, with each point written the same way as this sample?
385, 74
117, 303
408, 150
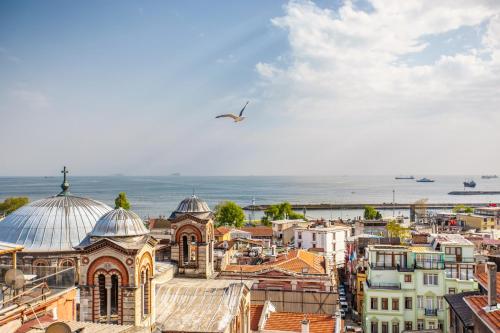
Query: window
440, 325
395, 327
314, 236
420, 302
432, 325
361, 286
395, 303
407, 278
430, 279
420, 324
334, 247
185, 249
299, 235
385, 327
440, 303
374, 327
103, 295
408, 303
314, 246
373, 303
114, 294
451, 290
385, 305
408, 325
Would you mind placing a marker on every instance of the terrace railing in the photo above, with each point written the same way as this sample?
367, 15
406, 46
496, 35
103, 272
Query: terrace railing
431, 312
383, 285
429, 264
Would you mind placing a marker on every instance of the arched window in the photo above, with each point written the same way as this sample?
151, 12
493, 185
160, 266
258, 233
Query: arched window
185, 249
103, 296
114, 295
194, 250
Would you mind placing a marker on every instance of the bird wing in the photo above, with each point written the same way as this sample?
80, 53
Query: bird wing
241, 112
228, 115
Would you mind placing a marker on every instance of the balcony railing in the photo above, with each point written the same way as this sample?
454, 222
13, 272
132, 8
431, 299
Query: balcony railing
383, 285
431, 312
382, 266
458, 259
429, 264
406, 268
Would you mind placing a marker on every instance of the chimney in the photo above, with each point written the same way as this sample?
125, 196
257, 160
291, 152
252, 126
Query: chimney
304, 326
492, 284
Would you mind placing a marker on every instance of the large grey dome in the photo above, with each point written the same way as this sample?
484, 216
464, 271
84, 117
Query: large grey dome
57, 223
192, 205
119, 223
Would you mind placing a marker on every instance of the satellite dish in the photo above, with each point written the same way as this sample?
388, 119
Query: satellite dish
58, 327
14, 278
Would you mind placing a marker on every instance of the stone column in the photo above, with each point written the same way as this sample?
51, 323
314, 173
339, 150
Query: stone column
108, 305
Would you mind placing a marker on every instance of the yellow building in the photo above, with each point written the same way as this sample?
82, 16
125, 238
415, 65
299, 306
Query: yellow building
222, 234
360, 280
475, 221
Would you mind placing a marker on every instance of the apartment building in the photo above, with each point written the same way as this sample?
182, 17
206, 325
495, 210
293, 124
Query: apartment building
405, 285
329, 239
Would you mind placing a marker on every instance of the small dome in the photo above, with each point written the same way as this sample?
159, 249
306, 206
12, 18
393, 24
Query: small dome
57, 223
192, 205
119, 223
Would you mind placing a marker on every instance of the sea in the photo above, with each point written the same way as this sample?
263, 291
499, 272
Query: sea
159, 195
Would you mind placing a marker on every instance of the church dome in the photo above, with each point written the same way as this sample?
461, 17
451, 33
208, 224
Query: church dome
54, 224
192, 205
119, 223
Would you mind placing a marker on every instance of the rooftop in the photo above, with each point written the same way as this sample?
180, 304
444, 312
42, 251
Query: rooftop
490, 318
296, 261
451, 239
196, 305
482, 279
291, 322
258, 231
457, 303
255, 313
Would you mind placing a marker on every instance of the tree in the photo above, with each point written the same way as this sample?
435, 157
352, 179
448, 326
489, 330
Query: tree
463, 209
394, 229
121, 201
229, 213
371, 213
11, 204
280, 212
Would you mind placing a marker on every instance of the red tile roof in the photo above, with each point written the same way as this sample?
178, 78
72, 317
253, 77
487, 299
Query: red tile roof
297, 261
255, 313
489, 318
219, 231
291, 322
482, 278
259, 231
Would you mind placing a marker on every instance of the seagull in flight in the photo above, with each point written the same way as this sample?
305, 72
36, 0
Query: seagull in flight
236, 118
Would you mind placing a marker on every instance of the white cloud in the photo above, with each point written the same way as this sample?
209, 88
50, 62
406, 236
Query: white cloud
347, 68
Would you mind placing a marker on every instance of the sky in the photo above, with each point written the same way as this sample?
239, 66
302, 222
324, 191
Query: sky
335, 87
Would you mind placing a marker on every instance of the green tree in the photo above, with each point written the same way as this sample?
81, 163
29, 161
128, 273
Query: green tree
463, 209
280, 212
121, 201
394, 229
371, 213
229, 213
11, 204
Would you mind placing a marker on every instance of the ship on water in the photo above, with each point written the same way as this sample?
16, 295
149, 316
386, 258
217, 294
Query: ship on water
425, 180
469, 183
489, 176
404, 177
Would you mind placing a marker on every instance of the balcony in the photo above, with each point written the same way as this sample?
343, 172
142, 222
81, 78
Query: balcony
383, 285
431, 312
429, 264
382, 266
405, 268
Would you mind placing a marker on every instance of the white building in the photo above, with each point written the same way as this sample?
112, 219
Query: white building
327, 239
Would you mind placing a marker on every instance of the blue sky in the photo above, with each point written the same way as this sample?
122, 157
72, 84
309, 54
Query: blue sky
133, 86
